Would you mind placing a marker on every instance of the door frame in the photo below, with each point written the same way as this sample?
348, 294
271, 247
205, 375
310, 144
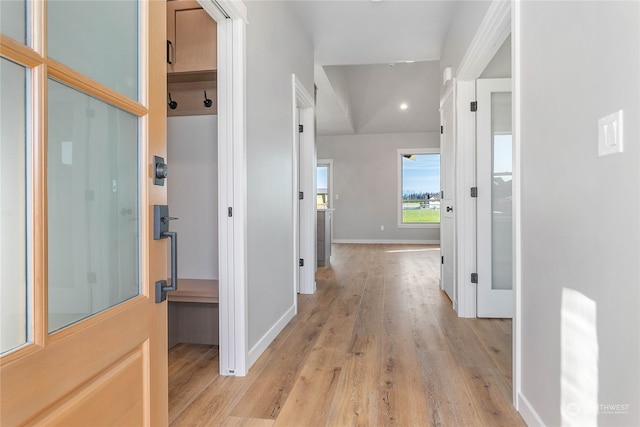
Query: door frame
304, 180
449, 97
493, 31
231, 18
500, 20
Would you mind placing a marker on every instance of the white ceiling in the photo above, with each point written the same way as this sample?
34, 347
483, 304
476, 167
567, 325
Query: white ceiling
373, 95
374, 32
355, 41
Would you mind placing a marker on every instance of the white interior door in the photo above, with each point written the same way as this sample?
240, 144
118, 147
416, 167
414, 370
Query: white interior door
299, 230
447, 212
304, 181
495, 171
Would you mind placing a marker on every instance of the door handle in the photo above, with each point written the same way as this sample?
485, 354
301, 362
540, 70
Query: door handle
449, 208
169, 49
161, 220
161, 285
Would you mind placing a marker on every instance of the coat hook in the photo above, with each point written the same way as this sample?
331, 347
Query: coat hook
207, 102
172, 104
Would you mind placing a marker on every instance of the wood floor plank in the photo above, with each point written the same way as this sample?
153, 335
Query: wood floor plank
247, 422
312, 394
464, 344
427, 333
355, 402
191, 368
491, 397
450, 400
496, 340
370, 318
402, 397
273, 385
377, 344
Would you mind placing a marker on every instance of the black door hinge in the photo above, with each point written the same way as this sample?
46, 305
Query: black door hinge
474, 191
474, 277
442, 260
301, 262
441, 130
300, 128
229, 212
474, 106
300, 195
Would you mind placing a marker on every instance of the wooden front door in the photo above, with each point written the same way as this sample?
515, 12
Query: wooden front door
87, 344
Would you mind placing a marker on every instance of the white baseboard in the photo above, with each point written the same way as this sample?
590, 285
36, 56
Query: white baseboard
529, 415
387, 242
262, 344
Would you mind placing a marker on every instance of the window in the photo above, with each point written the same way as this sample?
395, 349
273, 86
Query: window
15, 283
419, 188
323, 184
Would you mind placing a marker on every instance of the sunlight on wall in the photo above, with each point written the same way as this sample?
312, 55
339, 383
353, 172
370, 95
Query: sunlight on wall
579, 376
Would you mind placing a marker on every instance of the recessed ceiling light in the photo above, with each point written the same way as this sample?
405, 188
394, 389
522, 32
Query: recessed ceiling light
404, 106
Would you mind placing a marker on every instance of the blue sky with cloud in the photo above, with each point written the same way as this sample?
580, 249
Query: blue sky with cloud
421, 175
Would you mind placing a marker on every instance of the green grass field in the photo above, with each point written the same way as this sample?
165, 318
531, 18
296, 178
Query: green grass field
421, 215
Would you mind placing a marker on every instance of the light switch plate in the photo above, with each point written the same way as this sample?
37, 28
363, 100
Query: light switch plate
610, 135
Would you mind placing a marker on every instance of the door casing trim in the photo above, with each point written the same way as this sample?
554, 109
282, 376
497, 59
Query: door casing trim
231, 17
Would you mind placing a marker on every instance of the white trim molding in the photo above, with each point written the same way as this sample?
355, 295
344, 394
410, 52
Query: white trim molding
256, 351
517, 214
465, 92
225, 9
493, 31
304, 178
529, 415
232, 192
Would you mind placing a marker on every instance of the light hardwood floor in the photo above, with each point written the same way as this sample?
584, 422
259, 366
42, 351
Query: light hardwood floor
377, 345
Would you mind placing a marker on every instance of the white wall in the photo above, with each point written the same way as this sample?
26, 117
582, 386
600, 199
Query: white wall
365, 175
465, 23
580, 213
192, 191
500, 65
276, 47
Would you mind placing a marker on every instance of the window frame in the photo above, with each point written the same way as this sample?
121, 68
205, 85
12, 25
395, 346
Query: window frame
399, 199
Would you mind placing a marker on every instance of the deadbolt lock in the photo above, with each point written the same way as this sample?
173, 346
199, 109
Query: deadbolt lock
161, 170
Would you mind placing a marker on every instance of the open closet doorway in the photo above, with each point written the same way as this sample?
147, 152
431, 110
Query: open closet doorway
205, 184
192, 185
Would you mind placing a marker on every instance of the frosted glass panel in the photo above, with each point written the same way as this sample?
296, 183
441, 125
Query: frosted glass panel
92, 206
13, 211
13, 19
501, 193
95, 38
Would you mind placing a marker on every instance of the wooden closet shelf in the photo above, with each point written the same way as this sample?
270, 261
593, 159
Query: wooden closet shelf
195, 290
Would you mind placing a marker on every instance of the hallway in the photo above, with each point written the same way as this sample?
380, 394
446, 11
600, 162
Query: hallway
378, 344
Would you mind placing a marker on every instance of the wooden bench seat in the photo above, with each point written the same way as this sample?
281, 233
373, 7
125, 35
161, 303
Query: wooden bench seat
195, 290
193, 312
